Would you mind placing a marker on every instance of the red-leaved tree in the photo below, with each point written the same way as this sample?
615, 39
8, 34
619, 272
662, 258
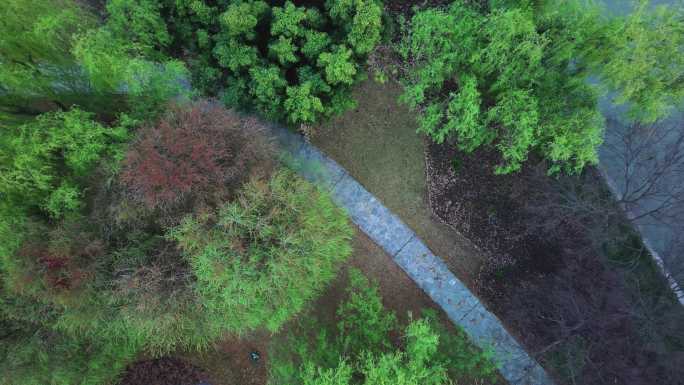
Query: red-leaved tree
56, 262
196, 153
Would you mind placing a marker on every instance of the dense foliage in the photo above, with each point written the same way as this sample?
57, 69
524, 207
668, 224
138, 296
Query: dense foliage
47, 161
641, 58
97, 274
291, 63
117, 67
194, 155
36, 63
361, 350
134, 220
261, 258
31, 356
53, 54
517, 76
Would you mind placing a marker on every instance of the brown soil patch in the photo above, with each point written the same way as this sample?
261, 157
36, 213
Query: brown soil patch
488, 209
229, 362
163, 371
548, 279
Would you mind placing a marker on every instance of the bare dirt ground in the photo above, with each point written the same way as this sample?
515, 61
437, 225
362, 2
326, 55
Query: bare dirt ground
163, 371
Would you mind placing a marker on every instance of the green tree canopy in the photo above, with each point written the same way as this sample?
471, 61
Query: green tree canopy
516, 76
35, 51
49, 158
642, 59
293, 63
260, 259
360, 351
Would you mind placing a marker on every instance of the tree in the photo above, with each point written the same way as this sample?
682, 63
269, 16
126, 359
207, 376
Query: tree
118, 67
260, 258
50, 158
515, 76
414, 366
482, 83
140, 22
196, 154
269, 52
37, 356
641, 59
35, 52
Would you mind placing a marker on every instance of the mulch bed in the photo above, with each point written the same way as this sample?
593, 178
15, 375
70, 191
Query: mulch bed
488, 209
549, 286
163, 371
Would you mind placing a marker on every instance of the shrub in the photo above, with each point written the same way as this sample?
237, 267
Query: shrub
35, 52
364, 324
291, 63
457, 355
261, 258
415, 365
199, 152
51, 157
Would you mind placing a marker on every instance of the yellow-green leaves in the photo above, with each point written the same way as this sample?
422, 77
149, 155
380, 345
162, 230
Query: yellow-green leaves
508, 78
263, 256
338, 65
643, 60
301, 105
51, 157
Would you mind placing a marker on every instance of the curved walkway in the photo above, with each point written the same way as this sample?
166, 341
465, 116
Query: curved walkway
408, 251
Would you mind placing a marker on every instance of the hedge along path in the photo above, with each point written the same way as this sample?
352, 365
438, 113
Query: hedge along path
428, 271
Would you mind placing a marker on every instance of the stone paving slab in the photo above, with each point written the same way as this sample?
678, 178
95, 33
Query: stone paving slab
428, 271
485, 330
371, 216
307, 160
432, 275
465, 310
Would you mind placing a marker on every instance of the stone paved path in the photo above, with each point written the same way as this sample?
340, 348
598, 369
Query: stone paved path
408, 251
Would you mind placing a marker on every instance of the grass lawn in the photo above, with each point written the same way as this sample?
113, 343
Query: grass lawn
229, 363
377, 143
